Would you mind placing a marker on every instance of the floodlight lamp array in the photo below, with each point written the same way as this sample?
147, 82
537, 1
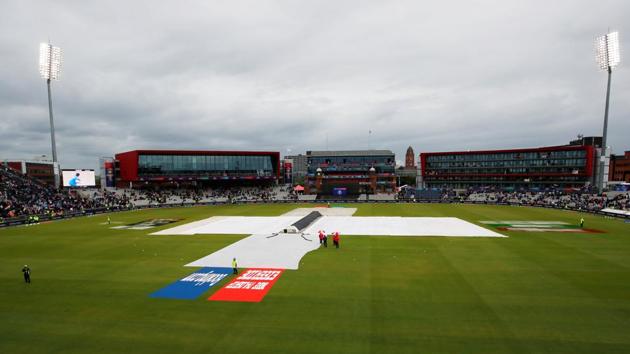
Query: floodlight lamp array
607, 51
50, 60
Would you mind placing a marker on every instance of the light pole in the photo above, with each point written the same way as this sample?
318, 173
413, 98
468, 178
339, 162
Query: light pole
607, 56
49, 68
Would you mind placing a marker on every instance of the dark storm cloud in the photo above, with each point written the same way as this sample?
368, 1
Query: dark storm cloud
296, 76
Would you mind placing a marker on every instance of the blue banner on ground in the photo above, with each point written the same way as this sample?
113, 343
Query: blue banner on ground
193, 285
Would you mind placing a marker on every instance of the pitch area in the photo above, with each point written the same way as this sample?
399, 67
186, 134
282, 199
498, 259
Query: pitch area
532, 292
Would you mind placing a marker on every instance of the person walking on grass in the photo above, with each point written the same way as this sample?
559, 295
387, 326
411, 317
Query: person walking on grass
27, 274
582, 223
321, 237
235, 265
336, 239
325, 239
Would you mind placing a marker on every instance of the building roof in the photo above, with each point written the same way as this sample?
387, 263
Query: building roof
538, 149
31, 161
199, 152
342, 153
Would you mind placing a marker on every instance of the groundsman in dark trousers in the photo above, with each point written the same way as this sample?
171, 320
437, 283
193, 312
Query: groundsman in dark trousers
27, 274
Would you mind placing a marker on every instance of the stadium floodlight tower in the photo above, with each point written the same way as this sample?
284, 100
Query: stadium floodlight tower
608, 56
49, 68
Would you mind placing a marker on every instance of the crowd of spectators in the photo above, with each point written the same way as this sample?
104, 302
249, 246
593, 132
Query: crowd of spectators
199, 195
291, 193
22, 196
247, 194
619, 202
584, 199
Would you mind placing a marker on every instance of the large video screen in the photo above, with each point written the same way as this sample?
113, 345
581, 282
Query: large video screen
78, 178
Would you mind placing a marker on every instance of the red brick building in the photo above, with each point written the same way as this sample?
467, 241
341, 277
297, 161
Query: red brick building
216, 168
40, 170
619, 169
566, 166
350, 172
410, 159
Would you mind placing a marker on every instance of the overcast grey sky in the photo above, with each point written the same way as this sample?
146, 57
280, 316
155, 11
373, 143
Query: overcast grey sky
293, 75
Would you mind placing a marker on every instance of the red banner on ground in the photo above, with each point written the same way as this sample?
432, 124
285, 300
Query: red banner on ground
251, 286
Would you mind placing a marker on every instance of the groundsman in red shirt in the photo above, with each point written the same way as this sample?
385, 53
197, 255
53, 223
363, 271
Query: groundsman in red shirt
336, 239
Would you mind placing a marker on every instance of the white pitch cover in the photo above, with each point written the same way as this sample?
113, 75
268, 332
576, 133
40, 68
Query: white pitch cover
267, 247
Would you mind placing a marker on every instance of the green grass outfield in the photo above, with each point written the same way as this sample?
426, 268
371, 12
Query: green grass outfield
529, 293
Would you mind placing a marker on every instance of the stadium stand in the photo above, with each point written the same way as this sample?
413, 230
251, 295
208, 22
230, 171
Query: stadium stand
429, 194
22, 196
378, 197
307, 197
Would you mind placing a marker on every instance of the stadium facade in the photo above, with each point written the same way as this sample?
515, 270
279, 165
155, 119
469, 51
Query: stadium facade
299, 169
41, 170
620, 167
350, 172
567, 166
156, 167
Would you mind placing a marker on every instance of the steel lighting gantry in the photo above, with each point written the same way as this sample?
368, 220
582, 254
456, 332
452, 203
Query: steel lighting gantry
607, 56
49, 68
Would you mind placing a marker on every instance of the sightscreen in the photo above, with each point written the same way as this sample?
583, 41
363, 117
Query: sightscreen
78, 178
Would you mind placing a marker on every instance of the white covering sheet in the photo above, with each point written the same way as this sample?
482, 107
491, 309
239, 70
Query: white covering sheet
267, 249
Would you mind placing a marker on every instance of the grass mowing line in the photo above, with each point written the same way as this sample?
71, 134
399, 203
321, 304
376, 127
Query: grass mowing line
499, 328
